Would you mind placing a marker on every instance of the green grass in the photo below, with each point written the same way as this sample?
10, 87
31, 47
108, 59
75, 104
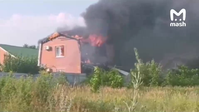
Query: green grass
47, 94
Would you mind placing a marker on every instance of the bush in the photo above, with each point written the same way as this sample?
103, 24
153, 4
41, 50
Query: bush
20, 64
115, 80
183, 76
110, 78
150, 72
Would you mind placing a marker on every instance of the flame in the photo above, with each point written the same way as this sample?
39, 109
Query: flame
77, 37
88, 61
93, 40
96, 40
54, 35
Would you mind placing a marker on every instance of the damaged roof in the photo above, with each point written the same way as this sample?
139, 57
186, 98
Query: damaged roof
55, 35
82, 31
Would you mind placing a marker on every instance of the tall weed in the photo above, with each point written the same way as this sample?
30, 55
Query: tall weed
150, 72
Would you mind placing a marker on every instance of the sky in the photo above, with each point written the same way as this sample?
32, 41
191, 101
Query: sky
27, 21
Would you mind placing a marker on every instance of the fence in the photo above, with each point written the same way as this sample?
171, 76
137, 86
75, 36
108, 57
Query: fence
72, 78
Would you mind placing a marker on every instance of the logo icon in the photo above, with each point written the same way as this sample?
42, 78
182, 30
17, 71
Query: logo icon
178, 22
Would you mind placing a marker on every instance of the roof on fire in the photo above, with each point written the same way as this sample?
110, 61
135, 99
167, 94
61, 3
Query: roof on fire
55, 35
20, 51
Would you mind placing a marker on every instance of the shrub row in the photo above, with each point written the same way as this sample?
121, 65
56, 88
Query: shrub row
20, 64
151, 74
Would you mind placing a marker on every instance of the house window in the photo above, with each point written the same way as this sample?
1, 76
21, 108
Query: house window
60, 51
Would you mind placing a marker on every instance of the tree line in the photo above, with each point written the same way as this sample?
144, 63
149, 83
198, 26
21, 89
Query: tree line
30, 46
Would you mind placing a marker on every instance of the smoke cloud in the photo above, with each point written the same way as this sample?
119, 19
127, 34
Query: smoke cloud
145, 25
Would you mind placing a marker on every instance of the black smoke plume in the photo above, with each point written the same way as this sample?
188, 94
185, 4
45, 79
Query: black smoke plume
145, 24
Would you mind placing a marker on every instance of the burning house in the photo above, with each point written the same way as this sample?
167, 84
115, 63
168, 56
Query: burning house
63, 52
114, 29
53, 54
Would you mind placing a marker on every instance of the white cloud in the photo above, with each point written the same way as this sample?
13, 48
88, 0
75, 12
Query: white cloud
20, 29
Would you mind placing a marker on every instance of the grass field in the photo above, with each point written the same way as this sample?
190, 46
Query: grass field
46, 95
165, 99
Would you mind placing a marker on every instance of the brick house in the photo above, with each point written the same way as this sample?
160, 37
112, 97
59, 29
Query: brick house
60, 53
15, 51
